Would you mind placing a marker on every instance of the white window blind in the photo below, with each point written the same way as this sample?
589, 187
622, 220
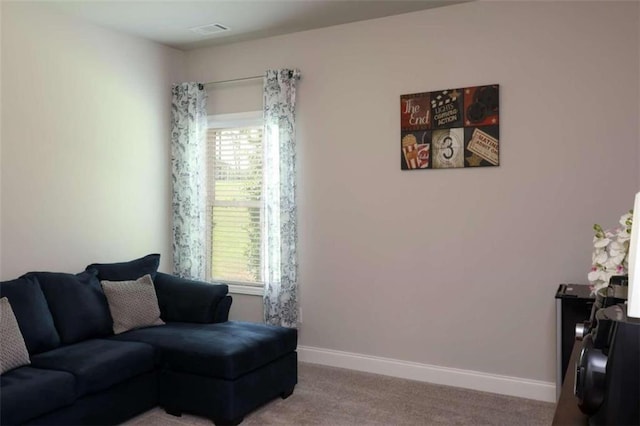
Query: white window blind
235, 200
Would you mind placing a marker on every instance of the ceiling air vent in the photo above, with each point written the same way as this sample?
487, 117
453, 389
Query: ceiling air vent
209, 29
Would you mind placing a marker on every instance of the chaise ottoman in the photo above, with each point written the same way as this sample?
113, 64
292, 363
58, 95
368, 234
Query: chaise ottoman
222, 370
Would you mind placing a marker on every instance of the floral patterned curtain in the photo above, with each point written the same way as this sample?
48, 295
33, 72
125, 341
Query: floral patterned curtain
280, 267
188, 174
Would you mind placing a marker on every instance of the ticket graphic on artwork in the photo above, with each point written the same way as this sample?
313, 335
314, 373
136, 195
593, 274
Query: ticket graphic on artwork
484, 146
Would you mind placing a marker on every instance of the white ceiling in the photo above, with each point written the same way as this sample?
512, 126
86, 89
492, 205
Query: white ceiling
168, 22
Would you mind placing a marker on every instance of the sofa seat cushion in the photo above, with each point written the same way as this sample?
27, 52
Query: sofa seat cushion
98, 364
225, 350
29, 392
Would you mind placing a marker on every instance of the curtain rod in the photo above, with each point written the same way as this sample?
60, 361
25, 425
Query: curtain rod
212, 83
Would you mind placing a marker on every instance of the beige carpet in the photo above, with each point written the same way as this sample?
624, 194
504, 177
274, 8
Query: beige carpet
333, 396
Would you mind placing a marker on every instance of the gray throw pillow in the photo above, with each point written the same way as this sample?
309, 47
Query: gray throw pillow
132, 304
13, 351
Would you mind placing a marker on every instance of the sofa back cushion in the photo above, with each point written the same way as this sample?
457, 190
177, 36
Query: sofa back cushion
185, 300
32, 312
127, 271
77, 303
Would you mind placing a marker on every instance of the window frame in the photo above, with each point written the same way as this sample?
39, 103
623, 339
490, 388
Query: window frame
225, 121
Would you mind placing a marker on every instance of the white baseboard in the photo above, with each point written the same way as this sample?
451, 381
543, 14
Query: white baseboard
476, 380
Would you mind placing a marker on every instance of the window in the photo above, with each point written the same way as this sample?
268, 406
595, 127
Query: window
235, 200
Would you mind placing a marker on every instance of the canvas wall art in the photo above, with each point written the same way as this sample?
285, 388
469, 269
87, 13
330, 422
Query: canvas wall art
453, 128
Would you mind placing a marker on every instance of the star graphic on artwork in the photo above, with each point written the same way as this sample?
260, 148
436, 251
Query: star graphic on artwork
494, 121
454, 95
468, 123
473, 160
467, 91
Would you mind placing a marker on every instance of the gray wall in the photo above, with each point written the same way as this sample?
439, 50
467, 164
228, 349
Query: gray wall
246, 307
454, 268
85, 151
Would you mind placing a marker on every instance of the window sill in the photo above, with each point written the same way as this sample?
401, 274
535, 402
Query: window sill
245, 289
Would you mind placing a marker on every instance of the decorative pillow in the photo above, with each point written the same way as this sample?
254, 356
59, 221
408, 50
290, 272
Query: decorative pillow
126, 271
32, 312
13, 351
132, 304
77, 303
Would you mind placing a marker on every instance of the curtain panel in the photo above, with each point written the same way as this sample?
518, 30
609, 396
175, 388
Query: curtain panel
280, 239
188, 175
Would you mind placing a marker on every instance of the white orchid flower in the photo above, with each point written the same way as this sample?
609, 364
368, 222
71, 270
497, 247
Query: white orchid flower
612, 263
616, 248
626, 220
600, 257
610, 252
592, 276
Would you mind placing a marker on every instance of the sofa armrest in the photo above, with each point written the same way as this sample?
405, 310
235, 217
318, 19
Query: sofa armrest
186, 300
222, 312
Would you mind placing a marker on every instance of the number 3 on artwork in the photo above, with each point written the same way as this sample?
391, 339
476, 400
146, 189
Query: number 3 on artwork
447, 144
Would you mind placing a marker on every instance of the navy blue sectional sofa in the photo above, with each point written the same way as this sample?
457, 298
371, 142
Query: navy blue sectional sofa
81, 373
